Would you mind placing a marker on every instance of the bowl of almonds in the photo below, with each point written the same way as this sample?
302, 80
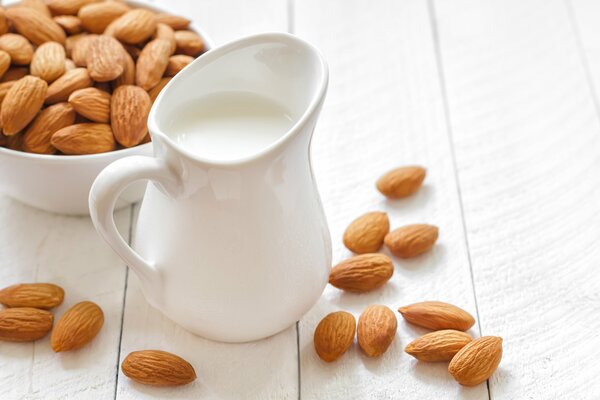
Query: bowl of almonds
77, 81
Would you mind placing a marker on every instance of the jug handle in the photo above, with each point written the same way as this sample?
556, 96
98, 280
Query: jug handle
104, 194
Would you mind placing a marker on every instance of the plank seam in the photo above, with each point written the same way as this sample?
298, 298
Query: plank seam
582, 55
449, 131
129, 239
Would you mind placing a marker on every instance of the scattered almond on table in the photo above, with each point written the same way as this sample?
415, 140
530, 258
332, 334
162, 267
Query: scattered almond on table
79, 77
471, 361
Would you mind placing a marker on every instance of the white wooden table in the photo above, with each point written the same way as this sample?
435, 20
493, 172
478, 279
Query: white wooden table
498, 99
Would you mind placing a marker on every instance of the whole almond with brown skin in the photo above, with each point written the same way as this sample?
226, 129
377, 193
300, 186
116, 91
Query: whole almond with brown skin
70, 23
129, 109
35, 295
133, 27
19, 48
77, 327
179, 62
69, 64
438, 346
96, 17
35, 26
155, 91
92, 103
165, 32
411, 240
437, 315
362, 273
84, 138
105, 58
174, 21
152, 63
37, 5
189, 43
4, 62
48, 61
67, 7
128, 75
158, 368
376, 330
477, 361
24, 324
81, 49
61, 89
365, 234
38, 136
22, 102
334, 335
401, 182
3, 22
71, 41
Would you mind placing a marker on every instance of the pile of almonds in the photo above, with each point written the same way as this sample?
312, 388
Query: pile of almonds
26, 318
471, 361
79, 77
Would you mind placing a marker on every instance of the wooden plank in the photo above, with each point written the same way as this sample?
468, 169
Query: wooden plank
265, 369
43, 247
384, 109
527, 140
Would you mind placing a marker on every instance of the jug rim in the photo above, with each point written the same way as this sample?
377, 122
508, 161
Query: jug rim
236, 44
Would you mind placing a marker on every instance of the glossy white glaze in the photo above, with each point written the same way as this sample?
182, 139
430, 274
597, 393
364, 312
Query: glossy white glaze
61, 184
231, 250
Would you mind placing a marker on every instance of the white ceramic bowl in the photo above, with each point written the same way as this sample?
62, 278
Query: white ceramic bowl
61, 184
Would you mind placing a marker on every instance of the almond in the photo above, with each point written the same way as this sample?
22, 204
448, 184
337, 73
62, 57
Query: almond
38, 135
71, 41
37, 5
81, 49
362, 273
133, 27
19, 48
438, 346
70, 23
92, 103
165, 32
15, 73
376, 330
174, 21
24, 324
189, 43
3, 22
157, 368
134, 51
105, 58
152, 63
128, 75
477, 361
22, 102
61, 89
411, 240
334, 335
84, 138
155, 91
179, 62
14, 142
96, 17
69, 64
35, 26
67, 7
401, 182
48, 61
4, 62
437, 315
129, 109
365, 234
36, 295
77, 327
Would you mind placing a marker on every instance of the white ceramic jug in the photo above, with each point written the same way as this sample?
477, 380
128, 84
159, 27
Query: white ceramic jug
231, 250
